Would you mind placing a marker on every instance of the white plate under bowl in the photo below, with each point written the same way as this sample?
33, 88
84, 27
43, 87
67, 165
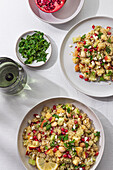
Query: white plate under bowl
70, 10
50, 102
34, 64
96, 89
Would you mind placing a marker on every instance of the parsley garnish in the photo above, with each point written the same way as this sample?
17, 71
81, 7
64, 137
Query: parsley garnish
86, 46
102, 79
109, 40
46, 148
83, 165
97, 134
99, 35
86, 144
52, 144
56, 116
48, 127
91, 57
109, 73
45, 123
61, 137
84, 36
68, 110
108, 50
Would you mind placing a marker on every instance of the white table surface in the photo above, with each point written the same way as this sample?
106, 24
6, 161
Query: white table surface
16, 18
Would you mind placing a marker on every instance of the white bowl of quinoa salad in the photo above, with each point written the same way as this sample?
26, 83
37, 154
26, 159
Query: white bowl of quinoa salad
61, 134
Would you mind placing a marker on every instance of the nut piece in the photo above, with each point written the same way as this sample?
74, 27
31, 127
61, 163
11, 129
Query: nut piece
76, 161
50, 152
62, 149
58, 154
39, 136
82, 145
54, 124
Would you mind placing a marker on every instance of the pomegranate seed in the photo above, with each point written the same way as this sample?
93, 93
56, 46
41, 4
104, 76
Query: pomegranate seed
91, 36
57, 146
109, 33
55, 149
66, 130
69, 156
42, 133
31, 124
88, 139
78, 49
95, 34
83, 168
31, 148
75, 46
40, 140
84, 42
83, 140
34, 137
45, 136
76, 122
67, 152
89, 150
27, 153
95, 49
38, 149
81, 76
62, 129
108, 28
93, 26
73, 116
37, 122
80, 117
90, 50
29, 133
87, 155
65, 156
85, 49
63, 133
35, 115
96, 154
34, 131
50, 119
86, 79
54, 107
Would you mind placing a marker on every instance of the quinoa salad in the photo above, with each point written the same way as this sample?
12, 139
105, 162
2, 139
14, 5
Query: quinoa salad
61, 137
93, 54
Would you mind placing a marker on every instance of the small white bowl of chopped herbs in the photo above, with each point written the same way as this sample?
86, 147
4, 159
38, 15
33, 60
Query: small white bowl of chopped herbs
33, 48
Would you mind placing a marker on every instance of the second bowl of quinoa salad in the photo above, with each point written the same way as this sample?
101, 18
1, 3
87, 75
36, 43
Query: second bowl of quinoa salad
61, 134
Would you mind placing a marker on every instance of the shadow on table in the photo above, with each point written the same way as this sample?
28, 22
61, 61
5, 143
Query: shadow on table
89, 9
37, 89
107, 159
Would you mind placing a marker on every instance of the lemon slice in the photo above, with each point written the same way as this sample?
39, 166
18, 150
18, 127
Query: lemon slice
43, 165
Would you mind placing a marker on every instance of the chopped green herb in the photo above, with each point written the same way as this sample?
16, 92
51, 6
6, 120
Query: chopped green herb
65, 144
63, 107
63, 165
99, 35
77, 58
73, 141
52, 144
76, 167
97, 134
68, 110
86, 144
66, 137
84, 36
86, 73
76, 125
42, 118
46, 148
34, 47
74, 153
48, 127
86, 46
108, 50
95, 51
83, 165
91, 57
109, 40
103, 63
45, 123
109, 73
56, 116
102, 79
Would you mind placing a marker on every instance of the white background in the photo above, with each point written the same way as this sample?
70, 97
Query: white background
16, 18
